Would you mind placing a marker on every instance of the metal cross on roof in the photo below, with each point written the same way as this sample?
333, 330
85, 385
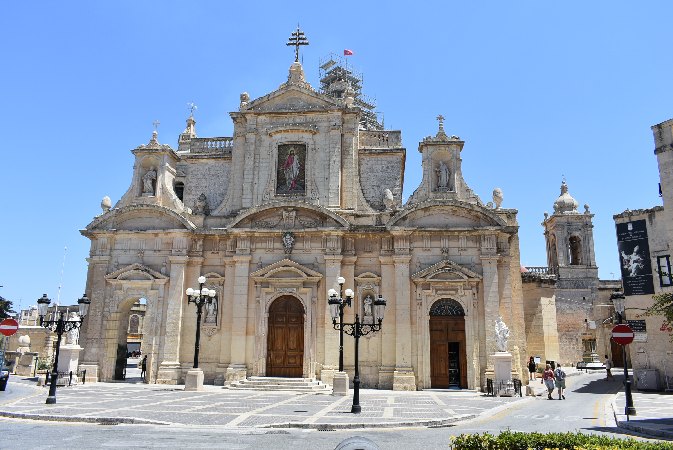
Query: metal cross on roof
156, 125
296, 39
441, 119
192, 107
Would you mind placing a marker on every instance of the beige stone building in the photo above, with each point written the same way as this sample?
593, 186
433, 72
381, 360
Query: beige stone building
308, 188
645, 239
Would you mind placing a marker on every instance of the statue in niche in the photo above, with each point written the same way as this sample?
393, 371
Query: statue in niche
148, 181
201, 206
211, 313
501, 335
368, 303
442, 176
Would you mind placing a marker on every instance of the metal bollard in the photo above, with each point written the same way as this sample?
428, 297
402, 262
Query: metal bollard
70, 380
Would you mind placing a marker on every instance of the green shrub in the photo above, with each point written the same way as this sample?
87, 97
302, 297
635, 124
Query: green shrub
43, 364
509, 440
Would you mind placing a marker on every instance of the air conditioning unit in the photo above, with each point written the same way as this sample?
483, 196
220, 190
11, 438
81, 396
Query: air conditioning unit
646, 379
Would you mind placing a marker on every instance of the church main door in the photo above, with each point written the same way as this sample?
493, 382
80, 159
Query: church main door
448, 361
285, 339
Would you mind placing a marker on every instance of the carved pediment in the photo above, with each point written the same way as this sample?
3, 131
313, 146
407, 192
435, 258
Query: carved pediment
292, 98
442, 216
140, 218
289, 217
445, 271
285, 270
135, 272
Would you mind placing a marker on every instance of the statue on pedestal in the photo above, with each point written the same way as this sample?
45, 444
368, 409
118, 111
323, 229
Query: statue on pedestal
501, 335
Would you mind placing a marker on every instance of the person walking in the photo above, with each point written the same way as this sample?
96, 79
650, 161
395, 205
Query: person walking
608, 368
560, 377
532, 369
548, 380
143, 367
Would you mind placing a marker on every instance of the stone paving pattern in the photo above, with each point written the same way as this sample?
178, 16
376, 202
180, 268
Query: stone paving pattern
244, 409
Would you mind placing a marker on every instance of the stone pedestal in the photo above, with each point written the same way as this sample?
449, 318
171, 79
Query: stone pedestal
194, 380
340, 383
169, 373
327, 376
68, 359
235, 374
26, 364
404, 380
91, 375
502, 366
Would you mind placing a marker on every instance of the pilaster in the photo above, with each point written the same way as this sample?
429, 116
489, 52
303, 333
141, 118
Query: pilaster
238, 367
403, 377
491, 306
330, 364
169, 369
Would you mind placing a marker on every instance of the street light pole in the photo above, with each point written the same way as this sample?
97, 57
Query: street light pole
358, 329
199, 297
341, 303
60, 326
619, 302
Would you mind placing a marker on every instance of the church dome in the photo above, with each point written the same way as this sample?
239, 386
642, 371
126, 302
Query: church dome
565, 204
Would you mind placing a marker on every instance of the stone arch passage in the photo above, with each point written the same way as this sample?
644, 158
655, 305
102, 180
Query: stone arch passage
575, 244
285, 338
448, 355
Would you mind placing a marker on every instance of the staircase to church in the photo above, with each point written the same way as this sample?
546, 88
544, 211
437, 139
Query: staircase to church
301, 385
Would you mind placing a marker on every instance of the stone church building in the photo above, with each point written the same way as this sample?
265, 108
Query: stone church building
309, 188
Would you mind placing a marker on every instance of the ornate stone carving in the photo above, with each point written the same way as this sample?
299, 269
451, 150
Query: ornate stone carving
497, 197
201, 206
446, 307
288, 241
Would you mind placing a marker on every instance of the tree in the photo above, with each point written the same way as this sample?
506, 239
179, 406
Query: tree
5, 308
663, 306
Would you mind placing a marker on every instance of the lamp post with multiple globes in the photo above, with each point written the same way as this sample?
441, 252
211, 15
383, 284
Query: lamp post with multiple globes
356, 329
199, 297
59, 325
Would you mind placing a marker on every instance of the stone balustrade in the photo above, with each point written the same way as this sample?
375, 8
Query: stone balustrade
211, 145
380, 139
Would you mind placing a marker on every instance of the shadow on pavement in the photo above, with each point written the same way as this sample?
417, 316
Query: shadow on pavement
602, 386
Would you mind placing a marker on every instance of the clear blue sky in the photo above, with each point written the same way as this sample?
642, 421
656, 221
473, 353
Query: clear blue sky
536, 90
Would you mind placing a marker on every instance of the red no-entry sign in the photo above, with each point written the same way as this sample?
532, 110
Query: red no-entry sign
8, 327
622, 334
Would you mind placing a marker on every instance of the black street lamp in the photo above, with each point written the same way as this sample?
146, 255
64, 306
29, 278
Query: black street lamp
340, 302
60, 326
199, 297
619, 301
357, 330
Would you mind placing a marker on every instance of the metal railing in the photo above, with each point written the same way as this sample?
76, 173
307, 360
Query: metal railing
502, 387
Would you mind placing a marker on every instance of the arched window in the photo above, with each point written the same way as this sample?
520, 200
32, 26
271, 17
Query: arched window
134, 324
446, 307
575, 251
179, 189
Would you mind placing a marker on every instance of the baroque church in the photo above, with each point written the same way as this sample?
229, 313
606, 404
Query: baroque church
309, 189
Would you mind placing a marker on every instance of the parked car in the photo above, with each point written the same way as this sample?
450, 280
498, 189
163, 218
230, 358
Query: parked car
4, 377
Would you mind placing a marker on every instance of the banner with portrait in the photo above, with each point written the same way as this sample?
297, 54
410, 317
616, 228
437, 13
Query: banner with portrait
634, 258
290, 174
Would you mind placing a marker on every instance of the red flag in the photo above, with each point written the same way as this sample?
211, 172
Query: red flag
348, 52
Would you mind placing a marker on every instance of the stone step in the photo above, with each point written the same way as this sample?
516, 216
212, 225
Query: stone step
277, 383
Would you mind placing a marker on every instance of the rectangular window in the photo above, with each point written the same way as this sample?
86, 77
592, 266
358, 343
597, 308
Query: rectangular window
664, 266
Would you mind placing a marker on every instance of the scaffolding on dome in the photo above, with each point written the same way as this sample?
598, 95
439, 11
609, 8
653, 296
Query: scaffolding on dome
336, 77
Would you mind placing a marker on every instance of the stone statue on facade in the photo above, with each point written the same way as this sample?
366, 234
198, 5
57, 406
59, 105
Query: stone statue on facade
211, 313
442, 176
388, 199
148, 181
368, 303
201, 206
501, 335
497, 197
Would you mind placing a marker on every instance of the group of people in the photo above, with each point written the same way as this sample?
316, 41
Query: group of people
551, 378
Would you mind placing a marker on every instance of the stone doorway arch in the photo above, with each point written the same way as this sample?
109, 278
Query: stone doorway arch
448, 345
285, 338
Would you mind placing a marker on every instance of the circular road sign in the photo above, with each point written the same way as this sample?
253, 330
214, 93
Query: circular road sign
8, 327
622, 334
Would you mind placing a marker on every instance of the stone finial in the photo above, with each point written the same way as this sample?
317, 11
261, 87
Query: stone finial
388, 199
497, 197
106, 204
586, 209
245, 99
296, 75
546, 215
565, 204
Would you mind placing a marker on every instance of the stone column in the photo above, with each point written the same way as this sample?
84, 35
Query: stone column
388, 332
169, 369
237, 369
491, 307
403, 377
334, 195
91, 335
226, 315
331, 362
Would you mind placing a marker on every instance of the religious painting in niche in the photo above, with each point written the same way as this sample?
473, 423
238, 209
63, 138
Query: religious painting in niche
290, 175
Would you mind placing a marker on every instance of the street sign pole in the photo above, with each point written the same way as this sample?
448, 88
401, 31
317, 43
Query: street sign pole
623, 335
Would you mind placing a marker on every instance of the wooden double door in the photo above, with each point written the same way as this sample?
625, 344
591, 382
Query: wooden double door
448, 356
285, 339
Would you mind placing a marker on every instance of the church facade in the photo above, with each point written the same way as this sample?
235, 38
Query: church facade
308, 189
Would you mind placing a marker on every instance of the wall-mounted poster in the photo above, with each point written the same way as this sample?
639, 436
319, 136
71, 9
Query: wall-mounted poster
634, 257
290, 175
